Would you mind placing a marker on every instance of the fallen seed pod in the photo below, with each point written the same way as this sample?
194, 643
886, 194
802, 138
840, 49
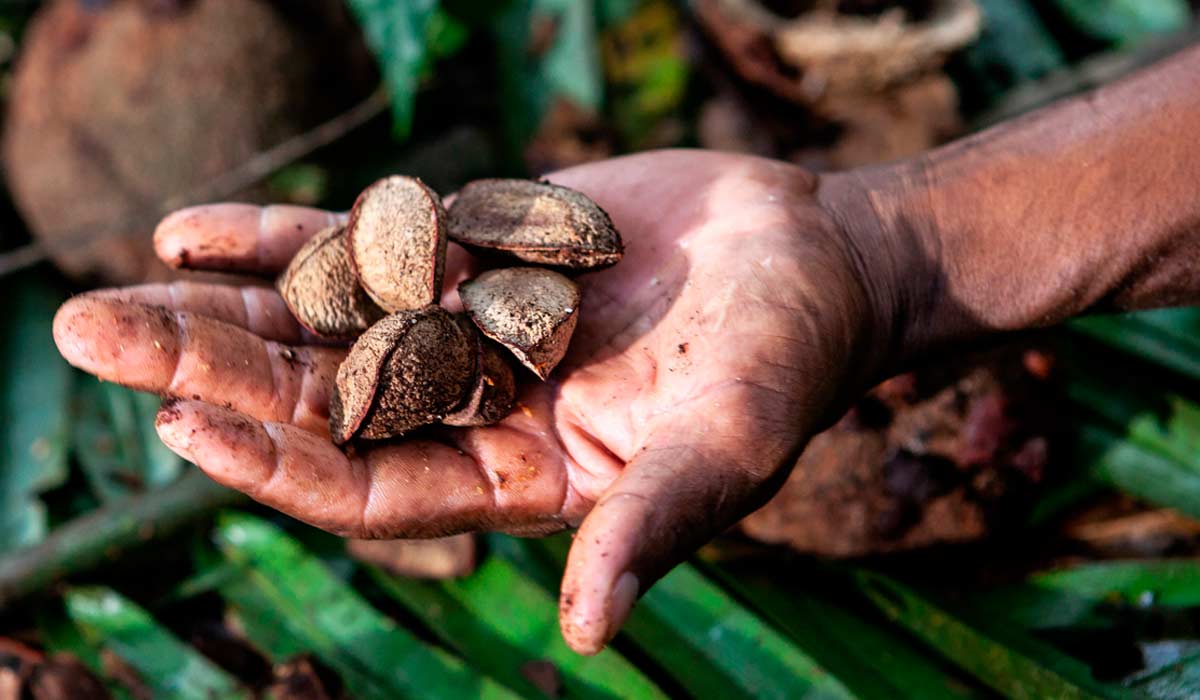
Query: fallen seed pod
495, 386
411, 369
535, 222
528, 310
322, 291
398, 243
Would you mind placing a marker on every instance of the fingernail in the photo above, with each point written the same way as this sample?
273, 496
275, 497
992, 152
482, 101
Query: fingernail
620, 603
173, 434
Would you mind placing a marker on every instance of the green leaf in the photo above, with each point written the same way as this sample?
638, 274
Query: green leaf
714, 646
1013, 663
1168, 338
168, 666
1148, 474
396, 33
59, 634
35, 384
337, 623
1169, 582
647, 70
1013, 47
1078, 596
547, 51
446, 35
873, 662
499, 620
1125, 21
116, 443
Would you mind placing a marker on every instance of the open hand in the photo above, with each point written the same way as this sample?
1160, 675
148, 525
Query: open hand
738, 323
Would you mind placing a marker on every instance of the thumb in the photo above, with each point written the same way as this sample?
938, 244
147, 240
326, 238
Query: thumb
668, 501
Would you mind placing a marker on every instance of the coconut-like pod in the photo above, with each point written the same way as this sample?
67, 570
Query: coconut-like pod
322, 291
397, 234
529, 310
117, 107
534, 222
495, 389
411, 369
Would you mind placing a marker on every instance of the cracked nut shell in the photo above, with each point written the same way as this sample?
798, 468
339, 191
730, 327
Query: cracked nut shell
535, 222
495, 389
409, 370
397, 237
529, 310
322, 291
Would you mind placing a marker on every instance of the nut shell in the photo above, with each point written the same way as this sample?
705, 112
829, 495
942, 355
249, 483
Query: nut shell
495, 389
535, 222
529, 310
409, 370
322, 290
398, 239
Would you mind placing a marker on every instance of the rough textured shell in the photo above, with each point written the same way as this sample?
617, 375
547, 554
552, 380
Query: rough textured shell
322, 291
535, 222
398, 243
529, 310
410, 369
495, 389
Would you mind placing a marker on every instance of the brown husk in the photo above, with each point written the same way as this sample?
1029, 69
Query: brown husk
322, 290
535, 222
495, 389
530, 311
409, 370
398, 243
436, 558
115, 107
946, 455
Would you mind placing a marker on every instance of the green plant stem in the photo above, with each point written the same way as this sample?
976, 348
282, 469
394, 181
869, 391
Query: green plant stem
108, 532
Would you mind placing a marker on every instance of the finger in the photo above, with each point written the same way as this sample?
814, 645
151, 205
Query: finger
670, 499
238, 237
418, 488
188, 355
259, 310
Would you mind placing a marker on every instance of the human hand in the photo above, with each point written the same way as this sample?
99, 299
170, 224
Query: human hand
739, 322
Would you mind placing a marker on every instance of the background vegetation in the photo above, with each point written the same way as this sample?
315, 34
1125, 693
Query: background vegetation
163, 585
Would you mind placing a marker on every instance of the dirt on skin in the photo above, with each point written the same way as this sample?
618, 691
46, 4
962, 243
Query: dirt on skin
528, 310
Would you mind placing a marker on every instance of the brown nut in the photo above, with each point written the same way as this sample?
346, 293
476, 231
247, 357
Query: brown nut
495, 389
398, 243
410, 369
529, 310
322, 291
535, 222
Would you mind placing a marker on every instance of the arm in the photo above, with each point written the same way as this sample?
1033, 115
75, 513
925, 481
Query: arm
1092, 204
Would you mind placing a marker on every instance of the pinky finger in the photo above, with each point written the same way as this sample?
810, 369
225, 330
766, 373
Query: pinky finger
418, 488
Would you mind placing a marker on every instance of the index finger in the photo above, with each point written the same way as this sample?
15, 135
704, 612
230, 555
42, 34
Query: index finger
238, 237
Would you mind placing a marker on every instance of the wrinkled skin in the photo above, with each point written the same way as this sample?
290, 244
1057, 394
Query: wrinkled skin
735, 326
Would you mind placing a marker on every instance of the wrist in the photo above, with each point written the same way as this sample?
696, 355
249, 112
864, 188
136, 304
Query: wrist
881, 213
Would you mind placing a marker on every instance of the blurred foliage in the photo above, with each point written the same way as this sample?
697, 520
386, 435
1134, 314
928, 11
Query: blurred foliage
397, 33
781, 628
35, 392
1125, 21
546, 51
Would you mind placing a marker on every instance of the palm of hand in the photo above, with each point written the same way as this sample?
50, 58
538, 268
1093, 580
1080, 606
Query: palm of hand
699, 368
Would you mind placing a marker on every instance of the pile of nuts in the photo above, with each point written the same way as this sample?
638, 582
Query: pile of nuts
377, 281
